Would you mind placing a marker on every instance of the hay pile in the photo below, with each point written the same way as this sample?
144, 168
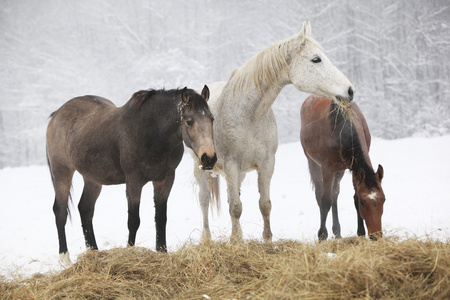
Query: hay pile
346, 268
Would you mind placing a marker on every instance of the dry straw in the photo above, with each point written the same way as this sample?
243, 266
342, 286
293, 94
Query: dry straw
335, 269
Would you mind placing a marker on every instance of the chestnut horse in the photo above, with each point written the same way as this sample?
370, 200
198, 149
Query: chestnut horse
335, 137
139, 142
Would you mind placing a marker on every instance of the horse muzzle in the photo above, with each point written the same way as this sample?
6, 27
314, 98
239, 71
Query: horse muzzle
376, 236
208, 162
348, 98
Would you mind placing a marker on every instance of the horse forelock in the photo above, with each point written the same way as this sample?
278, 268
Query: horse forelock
197, 101
350, 144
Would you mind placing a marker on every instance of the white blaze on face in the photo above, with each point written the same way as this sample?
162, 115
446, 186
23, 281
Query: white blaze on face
373, 195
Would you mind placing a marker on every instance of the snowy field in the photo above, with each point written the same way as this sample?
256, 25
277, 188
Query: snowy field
416, 185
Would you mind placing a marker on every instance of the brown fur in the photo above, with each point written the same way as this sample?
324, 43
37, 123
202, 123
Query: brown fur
139, 142
335, 137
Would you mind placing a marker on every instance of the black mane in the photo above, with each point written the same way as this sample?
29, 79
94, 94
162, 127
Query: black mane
141, 97
350, 144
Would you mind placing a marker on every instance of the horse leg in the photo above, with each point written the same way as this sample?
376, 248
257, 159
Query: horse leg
316, 177
161, 194
91, 191
336, 189
361, 231
325, 202
133, 192
265, 206
204, 198
234, 201
61, 183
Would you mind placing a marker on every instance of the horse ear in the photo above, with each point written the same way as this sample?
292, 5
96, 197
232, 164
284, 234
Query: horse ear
303, 32
308, 28
380, 172
185, 95
360, 175
205, 93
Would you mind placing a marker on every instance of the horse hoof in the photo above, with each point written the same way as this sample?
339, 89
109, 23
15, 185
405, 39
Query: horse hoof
206, 236
64, 259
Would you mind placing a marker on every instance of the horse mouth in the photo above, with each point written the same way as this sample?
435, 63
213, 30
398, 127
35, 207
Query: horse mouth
342, 101
208, 162
376, 236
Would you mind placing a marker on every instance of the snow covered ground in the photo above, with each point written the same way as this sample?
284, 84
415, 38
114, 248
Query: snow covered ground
416, 185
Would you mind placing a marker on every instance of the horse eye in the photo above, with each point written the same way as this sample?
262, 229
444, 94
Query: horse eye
189, 122
362, 202
316, 60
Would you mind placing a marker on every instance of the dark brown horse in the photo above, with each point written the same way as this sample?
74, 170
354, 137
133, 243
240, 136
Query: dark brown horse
335, 137
139, 142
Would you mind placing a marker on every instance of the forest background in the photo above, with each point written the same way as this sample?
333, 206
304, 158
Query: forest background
396, 53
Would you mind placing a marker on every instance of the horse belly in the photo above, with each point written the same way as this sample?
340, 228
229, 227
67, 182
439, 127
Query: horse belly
100, 166
153, 165
322, 148
249, 150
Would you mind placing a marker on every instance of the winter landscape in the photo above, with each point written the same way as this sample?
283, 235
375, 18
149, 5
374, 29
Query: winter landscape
395, 53
417, 205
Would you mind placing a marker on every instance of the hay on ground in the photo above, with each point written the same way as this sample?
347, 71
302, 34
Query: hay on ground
335, 269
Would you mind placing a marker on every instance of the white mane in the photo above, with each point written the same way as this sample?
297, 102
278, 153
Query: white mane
264, 69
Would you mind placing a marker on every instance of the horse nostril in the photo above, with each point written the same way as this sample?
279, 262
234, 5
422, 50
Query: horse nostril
350, 93
208, 162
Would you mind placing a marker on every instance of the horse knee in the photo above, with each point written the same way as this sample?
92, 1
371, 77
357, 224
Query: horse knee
134, 223
236, 209
265, 206
61, 212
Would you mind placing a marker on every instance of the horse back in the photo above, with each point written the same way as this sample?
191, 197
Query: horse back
327, 130
81, 136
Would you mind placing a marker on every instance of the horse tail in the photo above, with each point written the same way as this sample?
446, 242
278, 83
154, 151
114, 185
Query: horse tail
214, 188
53, 180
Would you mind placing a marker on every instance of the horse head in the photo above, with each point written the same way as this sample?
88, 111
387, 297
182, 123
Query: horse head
311, 71
370, 197
197, 126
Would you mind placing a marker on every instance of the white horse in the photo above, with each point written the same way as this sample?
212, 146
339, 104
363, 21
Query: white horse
245, 129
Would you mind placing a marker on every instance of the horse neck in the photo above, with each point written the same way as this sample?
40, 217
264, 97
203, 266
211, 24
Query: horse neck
166, 116
259, 104
254, 99
348, 132
356, 152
